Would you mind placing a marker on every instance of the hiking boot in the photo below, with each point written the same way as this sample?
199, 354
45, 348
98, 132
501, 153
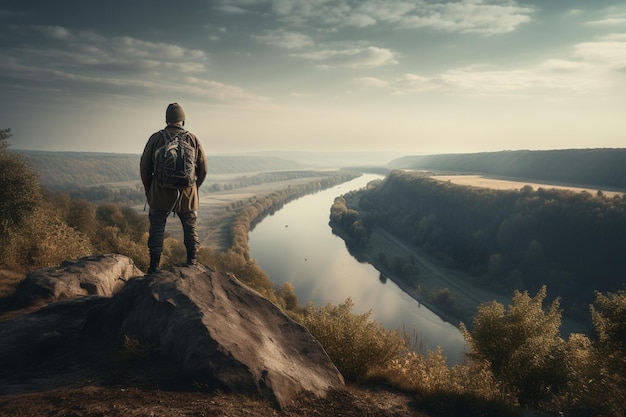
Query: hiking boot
192, 262
155, 260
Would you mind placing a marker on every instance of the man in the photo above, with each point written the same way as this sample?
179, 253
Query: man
162, 198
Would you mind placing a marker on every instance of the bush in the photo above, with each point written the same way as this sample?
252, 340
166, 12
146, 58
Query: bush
522, 346
174, 252
19, 187
247, 271
464, 389
356, 344
43, 240
610, 324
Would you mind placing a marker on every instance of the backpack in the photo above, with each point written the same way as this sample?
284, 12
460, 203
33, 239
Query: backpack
175, 161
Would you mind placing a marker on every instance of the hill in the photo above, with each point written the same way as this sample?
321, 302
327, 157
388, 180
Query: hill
67, 170
591, 167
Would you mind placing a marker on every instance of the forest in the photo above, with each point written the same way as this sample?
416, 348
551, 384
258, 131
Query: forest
590, 167
572, 242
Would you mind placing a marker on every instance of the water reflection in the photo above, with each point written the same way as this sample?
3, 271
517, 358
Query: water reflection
296, 245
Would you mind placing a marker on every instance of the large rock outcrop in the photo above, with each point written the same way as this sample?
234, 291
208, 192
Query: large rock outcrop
214, 328
205, 325
102, 275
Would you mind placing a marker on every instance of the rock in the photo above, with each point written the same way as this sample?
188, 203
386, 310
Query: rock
204, 325
213, 328
32, 340
102, 275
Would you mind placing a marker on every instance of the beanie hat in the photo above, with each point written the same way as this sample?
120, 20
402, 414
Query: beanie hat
174, 113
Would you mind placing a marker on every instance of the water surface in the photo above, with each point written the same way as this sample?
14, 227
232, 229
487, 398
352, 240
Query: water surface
297, 245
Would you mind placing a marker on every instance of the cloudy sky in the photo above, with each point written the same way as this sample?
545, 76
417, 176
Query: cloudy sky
415, 76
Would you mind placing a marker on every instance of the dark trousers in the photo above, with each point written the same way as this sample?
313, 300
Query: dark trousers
158, 218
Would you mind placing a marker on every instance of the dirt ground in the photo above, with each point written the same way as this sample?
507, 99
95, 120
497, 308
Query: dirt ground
98, 401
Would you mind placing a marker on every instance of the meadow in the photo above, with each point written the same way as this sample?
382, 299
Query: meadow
515, 184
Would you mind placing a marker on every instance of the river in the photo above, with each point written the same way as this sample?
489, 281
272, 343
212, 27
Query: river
297, 245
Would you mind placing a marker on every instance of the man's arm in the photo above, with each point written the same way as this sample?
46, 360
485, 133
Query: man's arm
201, 165
146, 166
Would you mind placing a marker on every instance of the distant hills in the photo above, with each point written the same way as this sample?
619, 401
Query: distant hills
591, 167
604, 168
63, 170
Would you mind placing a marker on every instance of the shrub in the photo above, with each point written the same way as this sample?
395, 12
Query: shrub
592, 388
610, 324
19, 187
43, 240
109, 239
356, 344
288, 294
247, 271
522, 345
464, 389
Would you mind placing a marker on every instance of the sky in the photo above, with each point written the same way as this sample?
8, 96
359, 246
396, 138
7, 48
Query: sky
408, 76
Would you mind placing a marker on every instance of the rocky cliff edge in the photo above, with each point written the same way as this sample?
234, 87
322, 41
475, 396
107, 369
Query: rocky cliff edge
203, 326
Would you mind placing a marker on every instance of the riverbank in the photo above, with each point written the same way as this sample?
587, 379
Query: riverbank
448, 293
218, 210
463, 299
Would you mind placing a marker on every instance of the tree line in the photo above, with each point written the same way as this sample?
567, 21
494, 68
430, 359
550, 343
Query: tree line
62, 171
602, 167
113, 178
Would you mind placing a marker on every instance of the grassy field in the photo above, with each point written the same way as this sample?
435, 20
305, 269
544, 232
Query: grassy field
218, 210
501, 184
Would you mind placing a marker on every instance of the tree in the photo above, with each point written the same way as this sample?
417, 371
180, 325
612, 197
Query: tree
610, 324
34, 232
19, 187
522, 344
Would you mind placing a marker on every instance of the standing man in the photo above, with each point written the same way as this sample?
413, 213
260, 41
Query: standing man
173, 165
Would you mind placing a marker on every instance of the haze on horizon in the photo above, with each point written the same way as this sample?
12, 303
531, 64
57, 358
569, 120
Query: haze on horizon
411, 76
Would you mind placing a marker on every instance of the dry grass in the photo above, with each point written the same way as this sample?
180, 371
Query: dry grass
498, 184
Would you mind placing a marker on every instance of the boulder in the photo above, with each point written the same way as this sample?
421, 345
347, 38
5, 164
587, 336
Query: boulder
43, 339
204, 325
213, 328
102, 275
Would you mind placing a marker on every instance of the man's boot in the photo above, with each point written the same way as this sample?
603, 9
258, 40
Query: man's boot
191, 258
155, 260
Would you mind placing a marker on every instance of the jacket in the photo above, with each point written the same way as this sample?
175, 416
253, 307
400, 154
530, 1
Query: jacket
161, 198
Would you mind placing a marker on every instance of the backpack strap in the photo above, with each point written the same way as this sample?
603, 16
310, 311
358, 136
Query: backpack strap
166, 136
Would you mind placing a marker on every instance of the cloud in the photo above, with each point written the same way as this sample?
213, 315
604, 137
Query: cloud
53, 58
217, 91
591, 68
412, 83
485, 17
464, 16
360, 20
285, 39
470, 16
608, 22
498, 82
231, 9
353, 58
545, 79
371, 82
610, 52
